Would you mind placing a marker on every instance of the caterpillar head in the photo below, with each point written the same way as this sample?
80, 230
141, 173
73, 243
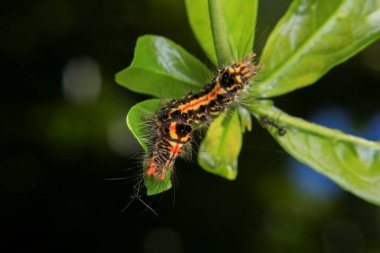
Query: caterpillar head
233, 78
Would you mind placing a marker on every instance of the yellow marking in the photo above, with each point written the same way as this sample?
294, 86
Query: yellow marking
176, 148
238, 79
173, 131
245, 70
172, 143
232, 87
237, 69
185, 138
222, 91
249, 75
231, 70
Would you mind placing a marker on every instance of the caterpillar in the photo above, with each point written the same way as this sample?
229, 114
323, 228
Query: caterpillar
176, 120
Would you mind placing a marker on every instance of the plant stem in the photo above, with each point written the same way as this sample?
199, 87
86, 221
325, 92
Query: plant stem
219, 32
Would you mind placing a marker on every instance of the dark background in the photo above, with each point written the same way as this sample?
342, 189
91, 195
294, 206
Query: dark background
63, 134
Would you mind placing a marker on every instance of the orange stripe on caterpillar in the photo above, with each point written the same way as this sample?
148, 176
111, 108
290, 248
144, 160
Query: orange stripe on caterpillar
176, 120
176, 149
194, 105
170, 137
152, 169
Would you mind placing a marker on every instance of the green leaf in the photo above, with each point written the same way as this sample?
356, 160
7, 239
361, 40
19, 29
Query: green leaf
199, 19
352, 162
313, 37
139, 118
239, 19
240, 16
154, 186
220, 149
245, 119
219, 32
163, 69
138, 121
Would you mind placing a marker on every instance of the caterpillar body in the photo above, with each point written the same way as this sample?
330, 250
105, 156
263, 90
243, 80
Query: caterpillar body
176, 121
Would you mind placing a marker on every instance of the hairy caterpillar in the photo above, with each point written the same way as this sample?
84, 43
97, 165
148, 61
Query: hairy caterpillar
175, 122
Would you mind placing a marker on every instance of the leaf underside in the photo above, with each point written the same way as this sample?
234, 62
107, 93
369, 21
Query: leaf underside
352, 162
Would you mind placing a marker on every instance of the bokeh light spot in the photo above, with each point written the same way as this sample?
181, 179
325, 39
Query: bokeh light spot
120, 139
81, 80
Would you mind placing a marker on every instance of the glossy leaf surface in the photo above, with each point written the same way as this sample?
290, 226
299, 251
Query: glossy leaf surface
352, 162
220, 149
162, 68
313, 37
240, 21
